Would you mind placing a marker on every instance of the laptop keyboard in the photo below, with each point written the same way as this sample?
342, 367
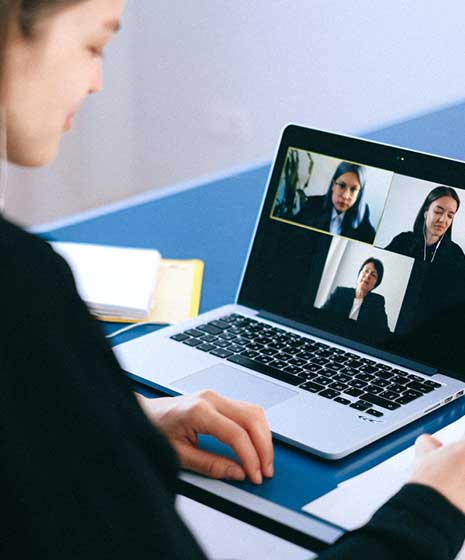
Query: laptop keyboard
348, 379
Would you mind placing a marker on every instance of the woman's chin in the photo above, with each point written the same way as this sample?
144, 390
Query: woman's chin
32, 157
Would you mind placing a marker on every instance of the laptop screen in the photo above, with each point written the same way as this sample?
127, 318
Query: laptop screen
366, 242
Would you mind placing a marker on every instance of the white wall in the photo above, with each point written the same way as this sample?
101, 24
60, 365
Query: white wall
194, 87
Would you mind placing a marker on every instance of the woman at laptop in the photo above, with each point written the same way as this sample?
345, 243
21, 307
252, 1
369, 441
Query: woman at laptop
431, 238
87, 470
342, 210
359, 303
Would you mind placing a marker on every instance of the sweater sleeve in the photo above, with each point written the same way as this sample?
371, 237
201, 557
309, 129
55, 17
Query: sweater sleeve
83, 473
417, 523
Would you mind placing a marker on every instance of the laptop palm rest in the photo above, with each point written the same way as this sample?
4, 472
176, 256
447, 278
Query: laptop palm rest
234, 383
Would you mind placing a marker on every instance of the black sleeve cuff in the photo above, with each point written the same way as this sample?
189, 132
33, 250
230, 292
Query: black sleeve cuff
417, 523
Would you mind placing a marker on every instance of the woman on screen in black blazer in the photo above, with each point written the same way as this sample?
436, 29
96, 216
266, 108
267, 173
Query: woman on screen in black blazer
342, 210
359, 303
431, 238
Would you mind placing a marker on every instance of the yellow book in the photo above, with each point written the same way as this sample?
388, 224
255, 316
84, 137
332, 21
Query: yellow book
177, 292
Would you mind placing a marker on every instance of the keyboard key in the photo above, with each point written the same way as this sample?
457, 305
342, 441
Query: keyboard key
396, 388
323, 380
264, 359
307, 375
312, 368
319, 361
354, 363
341, 400
422, 387
412, 394
379, 401
293, 369
405, 399
249, 354
413, 377
374, 390
220, 324
209, 338
205, 347
192, 342
210, 329
329, 372
374, 412
297, 362
254, 346
380, 382
222, 343
433, 384
400, 379
329, 393
179, 337
194, 333
389, 395
338, 386
384, 374
305, 356
226, 335
360, 405
342, 378
311, 386
357, 383
368, 368
265, 369
221, 353
235, 348
353, 392
364, 376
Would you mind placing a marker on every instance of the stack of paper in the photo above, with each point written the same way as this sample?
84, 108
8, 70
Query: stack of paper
129, 285
354, 501
113, 281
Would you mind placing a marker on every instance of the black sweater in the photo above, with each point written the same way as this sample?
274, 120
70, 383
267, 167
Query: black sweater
84, 474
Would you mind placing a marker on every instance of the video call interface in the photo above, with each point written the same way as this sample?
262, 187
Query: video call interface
368, 254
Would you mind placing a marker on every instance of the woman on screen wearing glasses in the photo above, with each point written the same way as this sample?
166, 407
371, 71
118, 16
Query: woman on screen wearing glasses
342, 210
87, 469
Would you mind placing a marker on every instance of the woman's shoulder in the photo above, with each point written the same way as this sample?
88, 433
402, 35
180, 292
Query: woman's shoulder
455, 250
27, 258
401, 240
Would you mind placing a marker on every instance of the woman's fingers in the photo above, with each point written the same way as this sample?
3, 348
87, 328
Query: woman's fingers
208, 464
231, 433
252, 419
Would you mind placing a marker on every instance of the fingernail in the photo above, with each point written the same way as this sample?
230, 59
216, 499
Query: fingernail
258, 479
235, 473
269, 470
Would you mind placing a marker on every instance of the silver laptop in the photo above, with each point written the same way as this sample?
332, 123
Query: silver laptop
348, 322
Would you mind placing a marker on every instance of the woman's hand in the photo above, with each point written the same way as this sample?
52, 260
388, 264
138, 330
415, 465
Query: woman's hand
441, 467
240, 425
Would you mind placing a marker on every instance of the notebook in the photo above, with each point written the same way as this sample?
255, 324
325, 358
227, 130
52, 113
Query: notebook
122, 284
348, 322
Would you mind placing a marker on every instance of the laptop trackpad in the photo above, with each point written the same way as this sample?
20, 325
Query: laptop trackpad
235, 384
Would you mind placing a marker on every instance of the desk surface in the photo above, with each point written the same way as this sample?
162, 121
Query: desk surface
215, 221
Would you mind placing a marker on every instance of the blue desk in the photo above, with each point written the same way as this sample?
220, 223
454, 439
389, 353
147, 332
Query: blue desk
214, 221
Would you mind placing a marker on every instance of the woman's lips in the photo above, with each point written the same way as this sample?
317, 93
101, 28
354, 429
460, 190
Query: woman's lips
69, 121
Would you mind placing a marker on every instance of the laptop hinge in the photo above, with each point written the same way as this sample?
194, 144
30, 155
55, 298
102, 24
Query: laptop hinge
365, 348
